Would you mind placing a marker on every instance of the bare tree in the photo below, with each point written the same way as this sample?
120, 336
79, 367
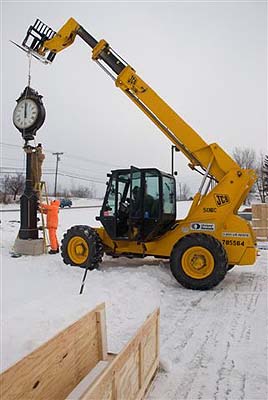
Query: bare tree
265, 170
65, 193
184, 192
5, 188
262, 180
16, 185
245, 158
83, 192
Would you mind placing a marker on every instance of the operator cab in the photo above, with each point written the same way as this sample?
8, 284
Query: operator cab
139, 204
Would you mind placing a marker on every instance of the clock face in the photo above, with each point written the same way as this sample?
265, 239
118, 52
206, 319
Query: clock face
25, 114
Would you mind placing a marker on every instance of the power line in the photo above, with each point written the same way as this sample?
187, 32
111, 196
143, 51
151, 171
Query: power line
21, 147
11, 145
78, 168
81, 175
81, 158
60, 174
47, 170
82, 179
22, 168
68, 174
68, 155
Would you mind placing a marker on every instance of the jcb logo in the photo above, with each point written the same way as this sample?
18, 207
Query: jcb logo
221, 199
132, 80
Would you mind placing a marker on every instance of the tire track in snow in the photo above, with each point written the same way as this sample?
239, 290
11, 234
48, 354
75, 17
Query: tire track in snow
215, 340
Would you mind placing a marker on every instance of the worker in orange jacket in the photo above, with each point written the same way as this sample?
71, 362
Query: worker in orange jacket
51, 210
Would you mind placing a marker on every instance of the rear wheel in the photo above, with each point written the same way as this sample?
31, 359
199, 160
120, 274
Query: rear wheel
81, 246
198, 261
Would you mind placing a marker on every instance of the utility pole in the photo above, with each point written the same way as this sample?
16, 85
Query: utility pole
56, 173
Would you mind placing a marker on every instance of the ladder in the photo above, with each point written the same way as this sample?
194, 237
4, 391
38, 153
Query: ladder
42, 191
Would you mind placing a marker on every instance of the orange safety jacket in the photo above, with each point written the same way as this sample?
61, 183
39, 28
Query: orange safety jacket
51, 210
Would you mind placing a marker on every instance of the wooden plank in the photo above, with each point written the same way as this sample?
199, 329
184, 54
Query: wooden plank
87, 381
148, 381
128, 377
55, 368
141, 361
150, 349
121, 379
102, 334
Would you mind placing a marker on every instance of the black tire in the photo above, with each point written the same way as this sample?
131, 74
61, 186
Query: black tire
199, 248
88, 241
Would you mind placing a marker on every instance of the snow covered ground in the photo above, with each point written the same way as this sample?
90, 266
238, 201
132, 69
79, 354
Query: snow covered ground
213, 344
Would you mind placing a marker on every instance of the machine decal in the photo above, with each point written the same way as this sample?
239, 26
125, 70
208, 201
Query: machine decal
200, 226
209, 209
221, 199
235, 234
233, 242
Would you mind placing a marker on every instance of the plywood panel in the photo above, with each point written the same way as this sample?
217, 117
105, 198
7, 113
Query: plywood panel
260, 212
261, 233
102, 334
103, 388
128, 377
55, 368
150, 350
125, 377
87, 381
260, 221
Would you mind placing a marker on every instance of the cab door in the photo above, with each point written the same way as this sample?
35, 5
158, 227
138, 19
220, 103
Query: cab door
144, 203
114, 214
135, 209
108, 210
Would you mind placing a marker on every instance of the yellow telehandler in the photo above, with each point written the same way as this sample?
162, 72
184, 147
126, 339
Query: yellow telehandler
138, 214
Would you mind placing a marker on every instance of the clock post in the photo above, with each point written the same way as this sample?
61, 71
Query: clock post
28, 117
28, 202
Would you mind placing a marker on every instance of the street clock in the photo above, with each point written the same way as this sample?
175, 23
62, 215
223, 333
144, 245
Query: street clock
29, 114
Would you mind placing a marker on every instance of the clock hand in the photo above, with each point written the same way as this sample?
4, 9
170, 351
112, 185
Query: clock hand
25, 110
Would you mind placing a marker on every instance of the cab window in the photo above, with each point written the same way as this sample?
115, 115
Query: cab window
151, 196
169, 201
109, 206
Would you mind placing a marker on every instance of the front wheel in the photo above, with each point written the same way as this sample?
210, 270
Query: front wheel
198, 261
81, 246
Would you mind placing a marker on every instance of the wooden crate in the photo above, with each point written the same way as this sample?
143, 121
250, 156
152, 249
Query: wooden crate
260, 221
65, 362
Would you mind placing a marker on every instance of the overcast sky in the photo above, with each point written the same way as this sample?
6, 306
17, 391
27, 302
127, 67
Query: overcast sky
208, 60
